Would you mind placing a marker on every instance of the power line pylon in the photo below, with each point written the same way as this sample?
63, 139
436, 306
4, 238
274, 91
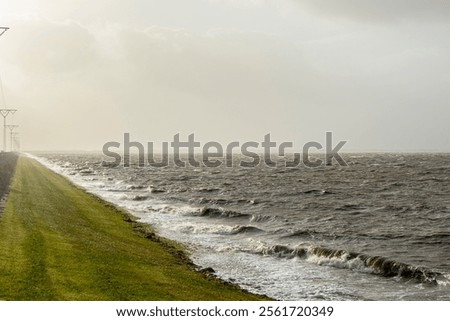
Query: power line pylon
11, 129
16, 140
5, 113
3, 30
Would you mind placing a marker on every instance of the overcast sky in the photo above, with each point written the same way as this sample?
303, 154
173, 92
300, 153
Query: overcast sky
81, 73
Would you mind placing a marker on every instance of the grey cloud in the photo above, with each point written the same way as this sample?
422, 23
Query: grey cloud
156, 80
380, 10
50, 47
230, 67
91, 82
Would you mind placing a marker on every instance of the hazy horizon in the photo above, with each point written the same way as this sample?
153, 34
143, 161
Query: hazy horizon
82, 73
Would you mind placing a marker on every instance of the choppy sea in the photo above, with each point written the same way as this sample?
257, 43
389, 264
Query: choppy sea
377, 229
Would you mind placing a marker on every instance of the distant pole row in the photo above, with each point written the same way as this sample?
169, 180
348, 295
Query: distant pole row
5, 113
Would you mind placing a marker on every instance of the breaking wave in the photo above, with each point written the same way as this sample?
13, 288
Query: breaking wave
245, 229
360, 262
219, 212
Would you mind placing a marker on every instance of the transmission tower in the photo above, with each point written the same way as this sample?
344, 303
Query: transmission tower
16, 139
11, 129
5, 113
3, 30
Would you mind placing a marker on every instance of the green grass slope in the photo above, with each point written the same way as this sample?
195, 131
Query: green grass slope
58, 242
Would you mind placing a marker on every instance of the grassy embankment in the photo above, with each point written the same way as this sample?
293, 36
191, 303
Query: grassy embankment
58, 242
7, 165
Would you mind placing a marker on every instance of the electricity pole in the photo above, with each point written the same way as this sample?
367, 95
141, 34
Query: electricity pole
11, 129
3, 30
5, 113
16, 139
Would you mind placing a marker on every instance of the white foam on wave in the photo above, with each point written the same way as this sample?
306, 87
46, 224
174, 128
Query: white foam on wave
341, 262
445, 280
